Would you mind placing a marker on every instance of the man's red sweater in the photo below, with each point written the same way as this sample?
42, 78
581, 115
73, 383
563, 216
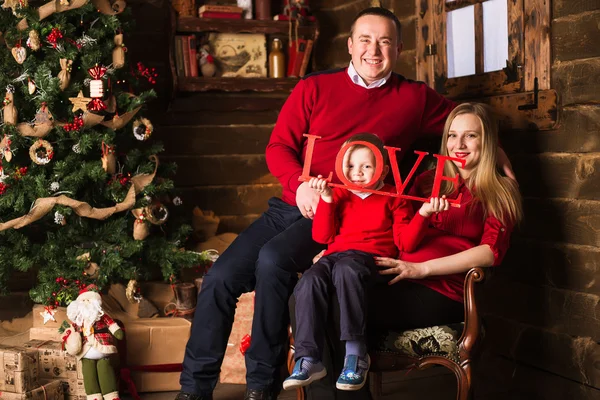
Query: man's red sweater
330, 105
378, 224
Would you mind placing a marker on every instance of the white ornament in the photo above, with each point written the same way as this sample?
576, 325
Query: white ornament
177, 201
54, 186
76, 148
48, 315
96, 88
59, 219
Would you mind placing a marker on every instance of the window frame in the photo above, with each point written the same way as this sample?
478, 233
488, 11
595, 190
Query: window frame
528, 49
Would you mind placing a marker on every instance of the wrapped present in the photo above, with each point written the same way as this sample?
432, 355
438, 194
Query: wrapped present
18, 369
50, 391
233, 369
46, 322
154, 346
56, 364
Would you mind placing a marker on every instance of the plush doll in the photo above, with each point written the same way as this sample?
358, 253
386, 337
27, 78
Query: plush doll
207, 62
90, 339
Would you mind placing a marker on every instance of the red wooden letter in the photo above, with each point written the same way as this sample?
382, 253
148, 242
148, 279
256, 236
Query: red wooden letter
396, 168
305, 177
339, 164
439, 176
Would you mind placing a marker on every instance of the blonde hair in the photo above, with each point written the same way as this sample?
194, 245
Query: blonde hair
499, 195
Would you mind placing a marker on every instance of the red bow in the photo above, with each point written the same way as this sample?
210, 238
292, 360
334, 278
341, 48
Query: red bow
97, 72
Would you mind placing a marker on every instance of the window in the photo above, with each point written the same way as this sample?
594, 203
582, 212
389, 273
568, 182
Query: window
470, 48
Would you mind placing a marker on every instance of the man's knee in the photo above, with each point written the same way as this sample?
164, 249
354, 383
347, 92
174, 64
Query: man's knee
272, 261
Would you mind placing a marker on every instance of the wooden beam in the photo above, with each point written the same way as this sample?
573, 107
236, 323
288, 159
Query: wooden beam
479, 45
201, 84
537, 45
578, 82
425, 35
456, 4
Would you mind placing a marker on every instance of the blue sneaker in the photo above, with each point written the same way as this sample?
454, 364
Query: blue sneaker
304, 373
354, 374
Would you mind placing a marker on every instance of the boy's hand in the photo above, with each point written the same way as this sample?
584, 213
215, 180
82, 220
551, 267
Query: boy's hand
320, 186
435, 205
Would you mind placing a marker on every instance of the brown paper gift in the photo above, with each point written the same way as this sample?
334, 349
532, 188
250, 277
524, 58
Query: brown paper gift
50, 391
49, 330
233, 369
18, 369
150, 341
55, 363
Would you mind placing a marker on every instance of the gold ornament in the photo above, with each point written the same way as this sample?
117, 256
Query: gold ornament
118, 54
142, 128
10, 111
31, 86
109, 161
156, 213
5, 148
36, 154
91, 269
65, 73
79, 102
19, 53
15, 5
141, 230
34, 40
132, 292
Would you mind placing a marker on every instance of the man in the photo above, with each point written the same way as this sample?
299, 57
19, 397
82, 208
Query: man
266, 257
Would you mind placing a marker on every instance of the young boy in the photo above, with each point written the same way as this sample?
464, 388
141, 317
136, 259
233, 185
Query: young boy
356, 226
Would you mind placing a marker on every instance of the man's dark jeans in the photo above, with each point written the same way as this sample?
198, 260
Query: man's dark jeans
266, 258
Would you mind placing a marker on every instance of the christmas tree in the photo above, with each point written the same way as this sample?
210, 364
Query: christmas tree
83, 197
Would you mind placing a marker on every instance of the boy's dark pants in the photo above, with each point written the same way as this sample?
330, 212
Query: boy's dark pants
266, 257
345, 275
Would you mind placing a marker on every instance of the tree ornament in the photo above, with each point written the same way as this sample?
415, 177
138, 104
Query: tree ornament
3, 176
148, 73
96, 88
142, 128
132, 292
118, 54
156, 213
109, 160
33, 41
15, 5
76, 125
76, 148
41, 152
79, 102
90, 337
64, 75
59, 219
141, 230
5, 151
19, 53
10, 111
54, 186
53, 37
31, 86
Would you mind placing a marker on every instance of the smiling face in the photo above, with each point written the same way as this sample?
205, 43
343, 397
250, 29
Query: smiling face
464, 141
359, 167
374, 47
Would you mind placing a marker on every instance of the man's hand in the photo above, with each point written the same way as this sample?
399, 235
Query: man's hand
307, 200
504, 163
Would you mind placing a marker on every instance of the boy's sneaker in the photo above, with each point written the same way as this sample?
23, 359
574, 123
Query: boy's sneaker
354, 374
304, 373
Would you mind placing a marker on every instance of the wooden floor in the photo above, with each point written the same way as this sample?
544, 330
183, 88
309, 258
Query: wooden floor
433, 384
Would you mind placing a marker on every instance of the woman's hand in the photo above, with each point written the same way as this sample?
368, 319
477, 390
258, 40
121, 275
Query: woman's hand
434, 206
403, 269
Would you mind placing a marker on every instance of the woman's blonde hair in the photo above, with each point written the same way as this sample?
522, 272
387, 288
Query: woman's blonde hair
499, 195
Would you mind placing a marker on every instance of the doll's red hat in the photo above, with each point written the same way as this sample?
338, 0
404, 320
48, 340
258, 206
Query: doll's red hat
89, 292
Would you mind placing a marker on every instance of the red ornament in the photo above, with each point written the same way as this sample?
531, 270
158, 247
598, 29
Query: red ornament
245, 343
148, 73
76, 125
53, 37
3, 187
96, 88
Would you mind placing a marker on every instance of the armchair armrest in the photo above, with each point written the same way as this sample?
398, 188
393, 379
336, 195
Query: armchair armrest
472, 330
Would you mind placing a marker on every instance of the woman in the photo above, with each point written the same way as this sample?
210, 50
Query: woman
428, 283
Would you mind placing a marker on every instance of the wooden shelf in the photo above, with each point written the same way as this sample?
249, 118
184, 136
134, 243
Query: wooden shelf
236, 84
192, 24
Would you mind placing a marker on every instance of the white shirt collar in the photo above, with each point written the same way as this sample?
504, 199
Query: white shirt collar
356, 78
364, 195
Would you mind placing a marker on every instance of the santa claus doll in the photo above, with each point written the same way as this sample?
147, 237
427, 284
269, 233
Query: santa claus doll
90, 339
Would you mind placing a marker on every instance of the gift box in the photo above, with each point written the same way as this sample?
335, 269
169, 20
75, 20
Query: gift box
152, 344
233, 369
56, 364
45, 327
50, 391
18, 369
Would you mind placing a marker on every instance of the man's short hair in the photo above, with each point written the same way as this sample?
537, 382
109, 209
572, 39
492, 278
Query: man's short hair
381, 12
369, 138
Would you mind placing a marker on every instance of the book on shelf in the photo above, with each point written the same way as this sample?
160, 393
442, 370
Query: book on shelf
297, 53
219, 8
186, 62
219, 15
